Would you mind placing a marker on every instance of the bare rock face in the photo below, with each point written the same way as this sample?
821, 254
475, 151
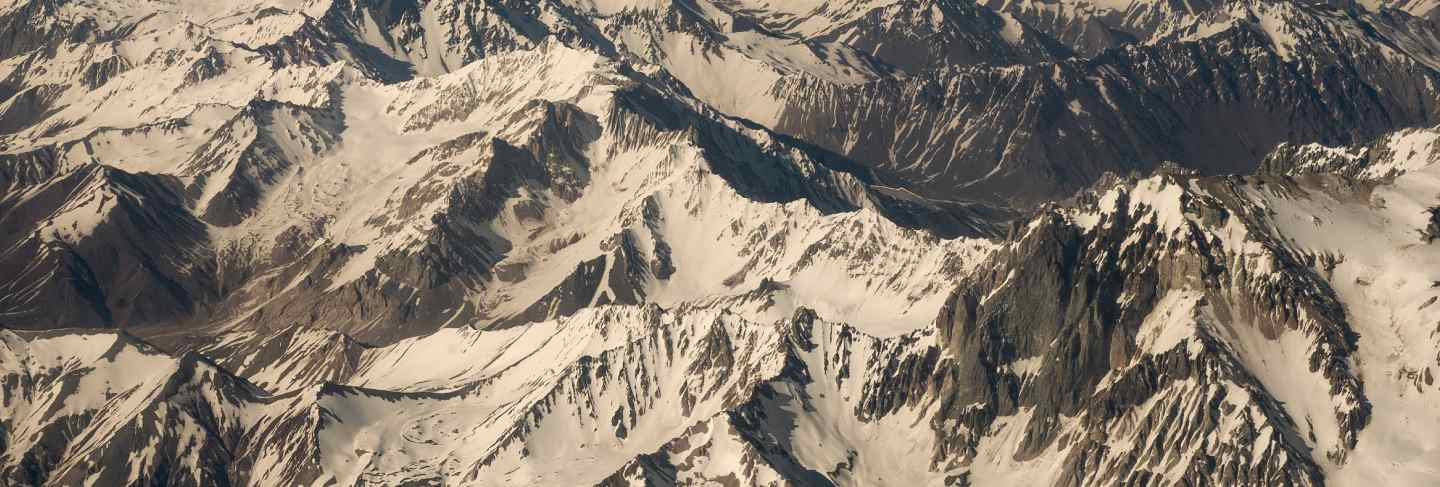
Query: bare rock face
1080, 304
1038, 132
1432, 229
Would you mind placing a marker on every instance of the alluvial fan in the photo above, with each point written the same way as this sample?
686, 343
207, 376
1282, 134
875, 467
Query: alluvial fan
719, 242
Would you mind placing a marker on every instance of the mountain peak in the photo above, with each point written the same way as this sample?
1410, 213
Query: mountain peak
740, 242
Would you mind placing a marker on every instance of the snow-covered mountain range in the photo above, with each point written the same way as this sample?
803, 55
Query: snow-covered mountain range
731, 242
